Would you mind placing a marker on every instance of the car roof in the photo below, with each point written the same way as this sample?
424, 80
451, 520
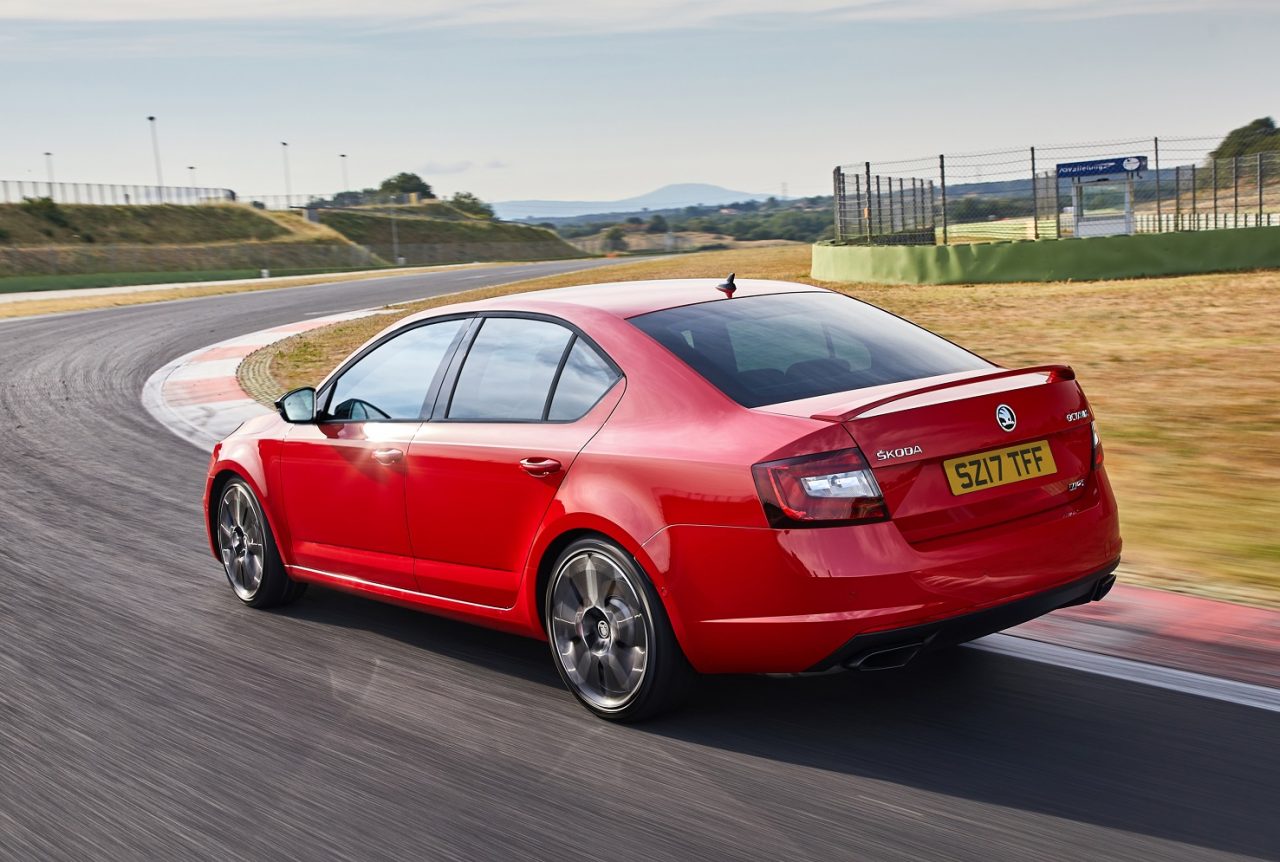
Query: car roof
625, 298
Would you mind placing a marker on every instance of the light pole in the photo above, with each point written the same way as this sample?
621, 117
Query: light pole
48, 162
342, 159
155, 150
192, 169
288, 186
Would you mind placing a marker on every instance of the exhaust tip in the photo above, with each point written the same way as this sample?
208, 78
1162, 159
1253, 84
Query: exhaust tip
886, 659
1103, 587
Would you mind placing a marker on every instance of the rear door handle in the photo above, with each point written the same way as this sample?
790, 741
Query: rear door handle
387, 456
540, 467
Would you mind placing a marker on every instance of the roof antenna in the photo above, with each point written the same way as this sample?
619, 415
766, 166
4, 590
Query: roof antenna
728, 287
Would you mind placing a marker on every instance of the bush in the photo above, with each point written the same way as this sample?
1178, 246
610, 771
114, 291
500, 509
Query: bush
471, 205
46, 209
615, 239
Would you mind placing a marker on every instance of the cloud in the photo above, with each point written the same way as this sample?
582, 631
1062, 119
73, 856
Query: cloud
587, 15
432, 169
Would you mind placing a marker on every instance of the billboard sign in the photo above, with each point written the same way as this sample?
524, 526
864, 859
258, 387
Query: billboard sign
1100, 167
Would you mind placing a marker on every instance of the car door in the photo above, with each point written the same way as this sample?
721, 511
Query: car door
528, 394
343, 476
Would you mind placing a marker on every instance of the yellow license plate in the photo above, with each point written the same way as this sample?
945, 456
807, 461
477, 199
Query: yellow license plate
999, 467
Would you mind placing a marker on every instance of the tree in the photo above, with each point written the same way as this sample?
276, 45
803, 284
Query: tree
635, 220
471, 205
658, 224
1260, 136
615, 239
406, 184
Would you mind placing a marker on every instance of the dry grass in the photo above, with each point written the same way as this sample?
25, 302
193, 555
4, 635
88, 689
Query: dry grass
1183, 373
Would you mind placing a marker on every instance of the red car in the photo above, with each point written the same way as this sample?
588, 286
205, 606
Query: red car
668, 478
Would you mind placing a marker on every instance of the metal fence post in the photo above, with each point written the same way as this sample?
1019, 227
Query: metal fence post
1177, 197
837, 192
867, 166
1214, 177
1235, 192
879, 211
1159, 215
893, 226
1194, 203
1259, 221
857, 191
942, 177
933, 219
1035, 210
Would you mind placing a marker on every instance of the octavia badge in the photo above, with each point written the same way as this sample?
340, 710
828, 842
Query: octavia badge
1006, 418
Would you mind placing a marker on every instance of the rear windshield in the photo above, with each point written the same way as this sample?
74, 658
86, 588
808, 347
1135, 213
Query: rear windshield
762, 350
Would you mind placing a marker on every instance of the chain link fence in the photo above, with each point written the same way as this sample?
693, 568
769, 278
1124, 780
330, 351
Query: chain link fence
107, 194
16, 191
1151, 185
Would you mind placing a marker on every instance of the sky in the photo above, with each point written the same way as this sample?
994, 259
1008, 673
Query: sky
560, 99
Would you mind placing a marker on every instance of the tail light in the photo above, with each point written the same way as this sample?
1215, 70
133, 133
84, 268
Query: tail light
819, 490
1096, 458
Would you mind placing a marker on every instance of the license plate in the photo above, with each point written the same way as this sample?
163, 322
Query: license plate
999, 467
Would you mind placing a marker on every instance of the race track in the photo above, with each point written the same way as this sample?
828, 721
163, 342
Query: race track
144, 714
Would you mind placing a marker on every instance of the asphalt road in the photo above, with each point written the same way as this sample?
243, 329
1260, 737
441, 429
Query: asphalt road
144, 714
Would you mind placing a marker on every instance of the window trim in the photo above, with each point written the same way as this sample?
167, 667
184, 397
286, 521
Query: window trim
440, 410
325, 393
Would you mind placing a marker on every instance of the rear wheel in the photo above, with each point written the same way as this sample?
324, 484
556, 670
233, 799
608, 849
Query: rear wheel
610, 637
248, 550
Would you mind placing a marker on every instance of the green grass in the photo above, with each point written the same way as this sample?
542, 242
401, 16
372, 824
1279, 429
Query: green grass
24, 283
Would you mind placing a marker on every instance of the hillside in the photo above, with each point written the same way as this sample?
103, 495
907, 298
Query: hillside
643, 242
41, 223
427, 240
676, 196
48, 246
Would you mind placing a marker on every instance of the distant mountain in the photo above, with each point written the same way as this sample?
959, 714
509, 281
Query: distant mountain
668, 197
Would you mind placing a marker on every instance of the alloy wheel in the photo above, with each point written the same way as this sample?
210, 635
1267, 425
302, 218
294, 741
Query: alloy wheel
241, 540
599, 629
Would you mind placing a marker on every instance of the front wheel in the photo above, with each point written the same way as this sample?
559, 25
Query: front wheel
248, 550
610, 637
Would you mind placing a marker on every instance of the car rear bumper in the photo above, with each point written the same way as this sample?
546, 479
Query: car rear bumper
758, 600
896, 647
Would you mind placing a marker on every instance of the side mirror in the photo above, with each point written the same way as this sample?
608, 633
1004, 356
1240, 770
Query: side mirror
298, 405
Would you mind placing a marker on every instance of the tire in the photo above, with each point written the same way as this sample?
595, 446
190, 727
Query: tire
248, 550
611, 640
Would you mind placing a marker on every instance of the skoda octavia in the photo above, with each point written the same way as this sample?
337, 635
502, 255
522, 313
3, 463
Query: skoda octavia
669, 478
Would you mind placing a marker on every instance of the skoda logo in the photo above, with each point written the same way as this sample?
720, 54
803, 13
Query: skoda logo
1006, 418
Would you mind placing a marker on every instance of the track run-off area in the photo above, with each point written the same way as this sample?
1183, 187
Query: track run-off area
145, 714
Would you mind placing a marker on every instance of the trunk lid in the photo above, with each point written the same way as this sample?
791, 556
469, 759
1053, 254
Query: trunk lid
987, 424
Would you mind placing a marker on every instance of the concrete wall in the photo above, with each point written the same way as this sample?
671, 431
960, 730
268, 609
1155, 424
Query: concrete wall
1086, 259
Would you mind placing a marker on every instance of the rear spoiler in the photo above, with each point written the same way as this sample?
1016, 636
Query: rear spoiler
1056, 373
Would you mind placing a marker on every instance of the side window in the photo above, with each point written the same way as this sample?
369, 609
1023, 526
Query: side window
392, 381
508, 371
585, 378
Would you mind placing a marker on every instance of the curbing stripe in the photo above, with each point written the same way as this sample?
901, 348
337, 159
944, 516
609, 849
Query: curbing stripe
1216, 688
198, 396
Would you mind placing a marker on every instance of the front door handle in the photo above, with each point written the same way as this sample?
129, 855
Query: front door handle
540, 467
387, 456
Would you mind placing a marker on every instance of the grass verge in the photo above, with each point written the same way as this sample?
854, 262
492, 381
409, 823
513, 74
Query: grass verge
1183, 373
